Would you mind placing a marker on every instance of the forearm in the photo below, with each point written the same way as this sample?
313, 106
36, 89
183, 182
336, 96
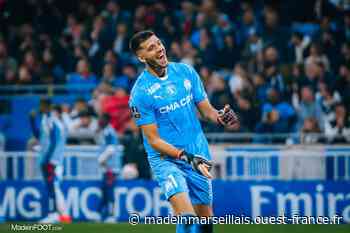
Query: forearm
165, 148
208, 112
211, 116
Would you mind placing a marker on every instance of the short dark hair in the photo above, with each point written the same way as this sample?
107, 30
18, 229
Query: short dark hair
139, 38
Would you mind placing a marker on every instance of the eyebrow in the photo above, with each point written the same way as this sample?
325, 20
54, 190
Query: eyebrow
152, 44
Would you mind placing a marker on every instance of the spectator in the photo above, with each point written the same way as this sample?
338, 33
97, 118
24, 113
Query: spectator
108, 74
317, 56
83, 75
343, 85
238, 80
228, 55
299, 43
216, 37
51, 72
310, 132
271, 70
277, 116
338, 129
83, 127
115, 15
312, 76
7, 64
247, 25
121, 42
25, 77
252, 52
327, 99
272, 32
307, 107
117, 107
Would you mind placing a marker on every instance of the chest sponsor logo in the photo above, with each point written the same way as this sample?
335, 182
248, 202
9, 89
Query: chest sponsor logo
176, 104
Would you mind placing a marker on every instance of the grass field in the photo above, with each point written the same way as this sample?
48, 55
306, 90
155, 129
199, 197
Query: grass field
116, 228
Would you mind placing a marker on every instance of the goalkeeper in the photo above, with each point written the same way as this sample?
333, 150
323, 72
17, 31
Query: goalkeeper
163, 102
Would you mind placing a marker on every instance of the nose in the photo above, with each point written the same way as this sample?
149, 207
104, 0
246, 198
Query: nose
159, 49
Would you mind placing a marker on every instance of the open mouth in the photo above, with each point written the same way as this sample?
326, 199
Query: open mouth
162, 58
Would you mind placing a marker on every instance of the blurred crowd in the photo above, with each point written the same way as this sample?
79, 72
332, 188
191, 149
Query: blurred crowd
284, 66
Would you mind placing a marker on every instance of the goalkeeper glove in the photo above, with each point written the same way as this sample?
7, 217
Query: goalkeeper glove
227, 116
195, 161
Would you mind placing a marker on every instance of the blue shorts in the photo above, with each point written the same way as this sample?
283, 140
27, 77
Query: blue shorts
175, 176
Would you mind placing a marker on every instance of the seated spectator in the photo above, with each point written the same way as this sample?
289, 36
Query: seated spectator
25, 77
121, 41
310, 132
229, 53
317, 56
110, 77
7, 63
31, 62
83, 127
277, 116
247, 112
261, 87
79, 106
312, 76
252, 51
128, 77
238, 80
82, 76
49, 68
248, 24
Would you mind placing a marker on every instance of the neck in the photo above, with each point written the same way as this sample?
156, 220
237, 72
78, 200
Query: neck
156, 70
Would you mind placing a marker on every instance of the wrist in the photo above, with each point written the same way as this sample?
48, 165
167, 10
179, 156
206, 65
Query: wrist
180, 153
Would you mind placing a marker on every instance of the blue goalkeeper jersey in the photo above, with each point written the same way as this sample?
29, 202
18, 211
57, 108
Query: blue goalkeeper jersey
170, 102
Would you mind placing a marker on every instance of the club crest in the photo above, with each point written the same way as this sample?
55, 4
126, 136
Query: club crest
187, 84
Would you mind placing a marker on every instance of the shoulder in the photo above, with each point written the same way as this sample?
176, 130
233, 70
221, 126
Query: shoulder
139, 83
183, 69
179, 66
141, 96
140, 87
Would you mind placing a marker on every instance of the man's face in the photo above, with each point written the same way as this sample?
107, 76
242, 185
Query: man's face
153, 53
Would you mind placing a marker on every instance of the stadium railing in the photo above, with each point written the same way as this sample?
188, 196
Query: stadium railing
45, 90
80, 163
231, 162
277, 162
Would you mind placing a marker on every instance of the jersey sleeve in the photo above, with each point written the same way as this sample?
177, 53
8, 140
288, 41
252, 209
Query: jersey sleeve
198, 90
141, 108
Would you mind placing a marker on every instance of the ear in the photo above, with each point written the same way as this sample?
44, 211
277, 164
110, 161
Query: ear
141, 59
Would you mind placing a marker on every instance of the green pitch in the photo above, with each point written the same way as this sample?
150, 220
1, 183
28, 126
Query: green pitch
114, 228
